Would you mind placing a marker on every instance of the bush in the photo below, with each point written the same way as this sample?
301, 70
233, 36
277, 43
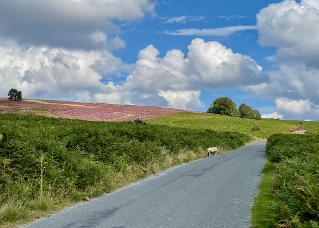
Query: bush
247, 112
223, 106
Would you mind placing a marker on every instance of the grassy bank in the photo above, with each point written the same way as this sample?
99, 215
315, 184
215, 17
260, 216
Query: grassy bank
255, 128
49, 163
289, 192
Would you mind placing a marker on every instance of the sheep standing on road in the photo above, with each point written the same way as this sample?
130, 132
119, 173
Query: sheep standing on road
212, 150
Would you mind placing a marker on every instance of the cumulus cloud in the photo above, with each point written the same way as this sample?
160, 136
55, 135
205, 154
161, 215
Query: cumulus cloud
82, 24
293, 106
225, 31
295, 82
182, 99
215, 65
54, 73
177, 78
293, 28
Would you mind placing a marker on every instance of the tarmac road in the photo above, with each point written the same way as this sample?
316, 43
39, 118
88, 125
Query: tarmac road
215, 191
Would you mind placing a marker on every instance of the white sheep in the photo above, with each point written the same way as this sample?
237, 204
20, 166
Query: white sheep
212, 150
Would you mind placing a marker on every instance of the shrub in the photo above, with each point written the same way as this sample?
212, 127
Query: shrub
247, 112
223, 106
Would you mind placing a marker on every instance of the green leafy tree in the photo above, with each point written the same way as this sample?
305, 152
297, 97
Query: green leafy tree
245, 111
223, 106
18, 96
15, 95
12, 93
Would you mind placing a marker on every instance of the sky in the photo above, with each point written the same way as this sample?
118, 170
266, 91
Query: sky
170, 53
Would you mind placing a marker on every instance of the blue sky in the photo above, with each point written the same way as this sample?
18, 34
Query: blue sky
171, 53
151, 29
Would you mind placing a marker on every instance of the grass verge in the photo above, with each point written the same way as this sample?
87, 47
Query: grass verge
289, 191
47, 164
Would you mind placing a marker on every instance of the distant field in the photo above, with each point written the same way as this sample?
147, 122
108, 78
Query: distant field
256, 128
83, 111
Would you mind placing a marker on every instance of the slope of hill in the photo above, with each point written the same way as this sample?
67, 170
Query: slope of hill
256, 128
83, 111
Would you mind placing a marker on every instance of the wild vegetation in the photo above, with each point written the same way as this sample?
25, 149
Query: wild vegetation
48, 163
83, 111
255, 128
289, 192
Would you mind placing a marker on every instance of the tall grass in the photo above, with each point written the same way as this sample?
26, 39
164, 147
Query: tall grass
48, 163
289, 193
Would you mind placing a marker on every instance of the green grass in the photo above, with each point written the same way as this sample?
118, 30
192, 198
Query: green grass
262, 210
255, 128
47, 163
289, 191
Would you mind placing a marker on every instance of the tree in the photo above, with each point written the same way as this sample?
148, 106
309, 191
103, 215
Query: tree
223, 106
15, 95
18, 96
12, 93
245, 111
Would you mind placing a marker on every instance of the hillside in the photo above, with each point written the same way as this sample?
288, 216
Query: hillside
83, 111
255, 128
155, 115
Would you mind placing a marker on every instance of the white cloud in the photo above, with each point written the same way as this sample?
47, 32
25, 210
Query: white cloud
274, 115
297, 82
69, 23
293, 106
182, 99
225, 31
176, 79
182, 19
54, 73
208, 64
215, 65
293, 28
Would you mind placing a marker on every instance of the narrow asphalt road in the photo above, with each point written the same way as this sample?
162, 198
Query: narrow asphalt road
212, 192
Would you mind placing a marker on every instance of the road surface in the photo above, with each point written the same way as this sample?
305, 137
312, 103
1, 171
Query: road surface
212, 192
